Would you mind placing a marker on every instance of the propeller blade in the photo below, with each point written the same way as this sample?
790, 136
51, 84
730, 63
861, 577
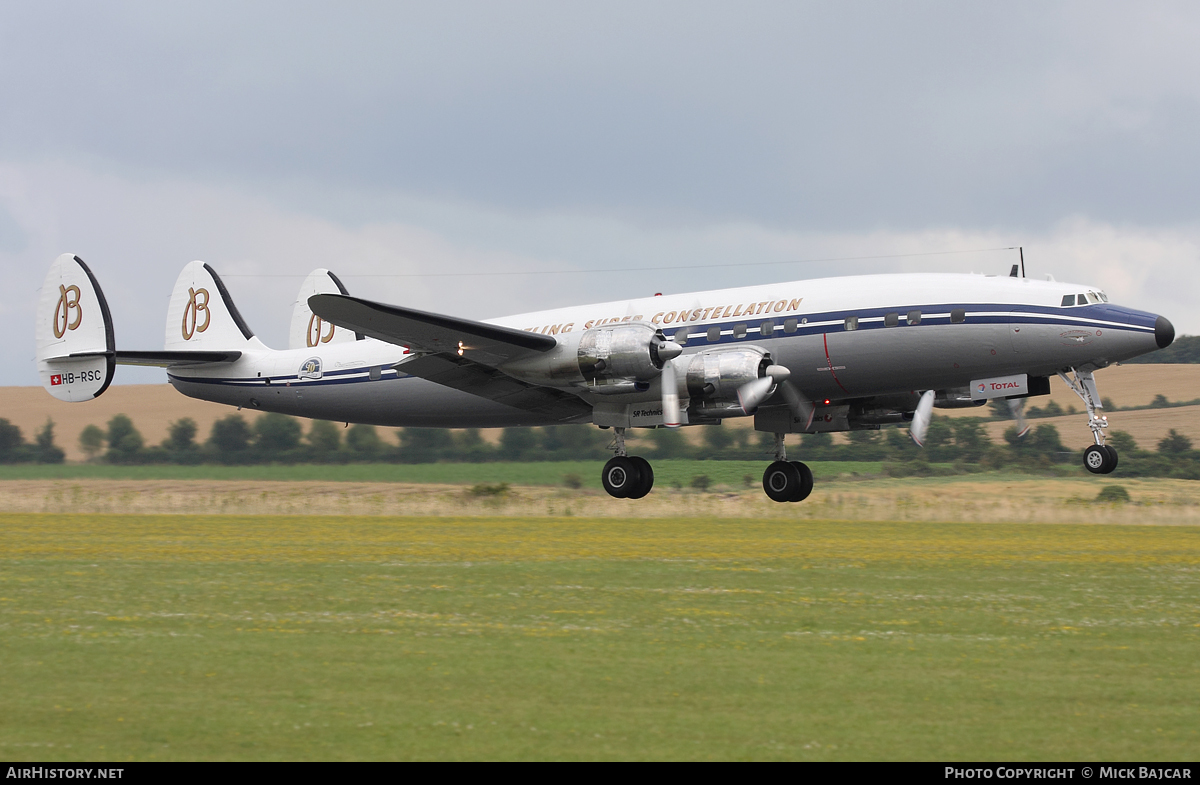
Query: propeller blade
802, 408
670, 395
1017, 407
751, 394
921, 418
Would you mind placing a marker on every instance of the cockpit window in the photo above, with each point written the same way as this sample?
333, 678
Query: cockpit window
1068, 299
1092, 298
1081, 299
1103, 297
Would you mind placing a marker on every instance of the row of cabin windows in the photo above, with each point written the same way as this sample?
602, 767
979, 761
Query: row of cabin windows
768, 328
1090, 298
957, 316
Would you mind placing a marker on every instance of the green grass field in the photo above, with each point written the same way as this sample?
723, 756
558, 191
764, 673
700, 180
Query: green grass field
175, 637
732, 473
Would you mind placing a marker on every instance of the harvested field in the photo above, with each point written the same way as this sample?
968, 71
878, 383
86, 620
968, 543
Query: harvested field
974, 498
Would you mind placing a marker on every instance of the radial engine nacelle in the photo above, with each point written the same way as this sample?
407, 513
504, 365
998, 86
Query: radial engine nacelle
617, 359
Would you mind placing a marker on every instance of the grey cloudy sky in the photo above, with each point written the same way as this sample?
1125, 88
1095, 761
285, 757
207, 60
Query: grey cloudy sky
392, 138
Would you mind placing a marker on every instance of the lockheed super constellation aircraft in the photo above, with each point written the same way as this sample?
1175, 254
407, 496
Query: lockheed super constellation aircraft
833, 354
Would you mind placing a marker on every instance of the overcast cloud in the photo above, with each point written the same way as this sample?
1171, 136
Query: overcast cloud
272, 138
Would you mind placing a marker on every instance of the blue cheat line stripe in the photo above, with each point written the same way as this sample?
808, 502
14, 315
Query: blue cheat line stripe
1092, 316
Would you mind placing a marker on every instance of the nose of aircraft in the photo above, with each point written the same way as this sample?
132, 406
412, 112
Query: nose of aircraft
1164, 332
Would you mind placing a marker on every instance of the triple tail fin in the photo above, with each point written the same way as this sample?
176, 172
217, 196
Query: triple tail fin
201, 314
76, 349
308, 329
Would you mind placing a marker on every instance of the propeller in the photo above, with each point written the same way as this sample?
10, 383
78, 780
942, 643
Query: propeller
1017, 407
670, 395
667, 352
802, 408
751, 394
921, 418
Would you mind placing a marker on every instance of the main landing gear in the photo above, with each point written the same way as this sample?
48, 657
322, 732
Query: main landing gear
631, 477
1099, 458
626, 476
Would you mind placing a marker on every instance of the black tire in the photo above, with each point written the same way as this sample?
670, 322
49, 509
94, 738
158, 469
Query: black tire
1112, 451
647, 477
806, 482
781, 481
621, 477
1098, 460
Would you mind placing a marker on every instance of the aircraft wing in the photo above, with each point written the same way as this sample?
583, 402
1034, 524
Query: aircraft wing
436, 341
426, 333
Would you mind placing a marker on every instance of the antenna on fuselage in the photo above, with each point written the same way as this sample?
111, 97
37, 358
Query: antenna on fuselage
1013, 272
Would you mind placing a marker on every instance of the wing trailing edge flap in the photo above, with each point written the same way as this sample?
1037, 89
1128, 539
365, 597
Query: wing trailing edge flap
429, 333
460, 373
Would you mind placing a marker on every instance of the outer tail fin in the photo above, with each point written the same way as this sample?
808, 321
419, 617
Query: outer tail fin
201, 314
308, 329
76, 350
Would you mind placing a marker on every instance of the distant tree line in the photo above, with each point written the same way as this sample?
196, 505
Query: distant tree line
1185, 349
14, 448
959, 444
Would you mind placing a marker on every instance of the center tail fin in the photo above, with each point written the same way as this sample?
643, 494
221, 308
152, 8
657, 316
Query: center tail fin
308, 329
201, 314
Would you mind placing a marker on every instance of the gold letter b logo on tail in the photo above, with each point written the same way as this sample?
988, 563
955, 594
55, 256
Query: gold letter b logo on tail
62, 311
197, 303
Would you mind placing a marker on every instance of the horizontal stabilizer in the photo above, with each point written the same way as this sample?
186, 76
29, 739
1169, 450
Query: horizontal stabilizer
429, 332
167, 359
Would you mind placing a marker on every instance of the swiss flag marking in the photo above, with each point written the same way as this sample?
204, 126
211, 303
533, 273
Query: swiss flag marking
55, 379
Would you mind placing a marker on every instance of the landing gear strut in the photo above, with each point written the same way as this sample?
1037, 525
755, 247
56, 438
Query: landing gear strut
1099, 458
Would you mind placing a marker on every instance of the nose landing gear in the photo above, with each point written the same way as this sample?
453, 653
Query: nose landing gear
1098, 458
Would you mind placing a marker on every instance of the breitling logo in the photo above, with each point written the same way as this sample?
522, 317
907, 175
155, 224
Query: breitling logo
679, 317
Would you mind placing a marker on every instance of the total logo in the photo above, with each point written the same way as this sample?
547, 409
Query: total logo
982, 387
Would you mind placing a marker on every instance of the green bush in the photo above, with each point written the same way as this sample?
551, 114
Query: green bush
124, 440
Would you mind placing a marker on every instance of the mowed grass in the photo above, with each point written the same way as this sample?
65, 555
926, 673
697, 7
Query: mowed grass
223, 637
731, 473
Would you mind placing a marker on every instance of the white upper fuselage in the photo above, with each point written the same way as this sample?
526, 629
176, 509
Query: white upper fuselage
842, 338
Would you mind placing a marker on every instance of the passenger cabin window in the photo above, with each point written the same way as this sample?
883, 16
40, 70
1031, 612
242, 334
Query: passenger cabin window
891, 320
714, 334
851, 322
914, 317
958, 316
740, 330
789, 326
681, 337
766, 329
1068, 299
